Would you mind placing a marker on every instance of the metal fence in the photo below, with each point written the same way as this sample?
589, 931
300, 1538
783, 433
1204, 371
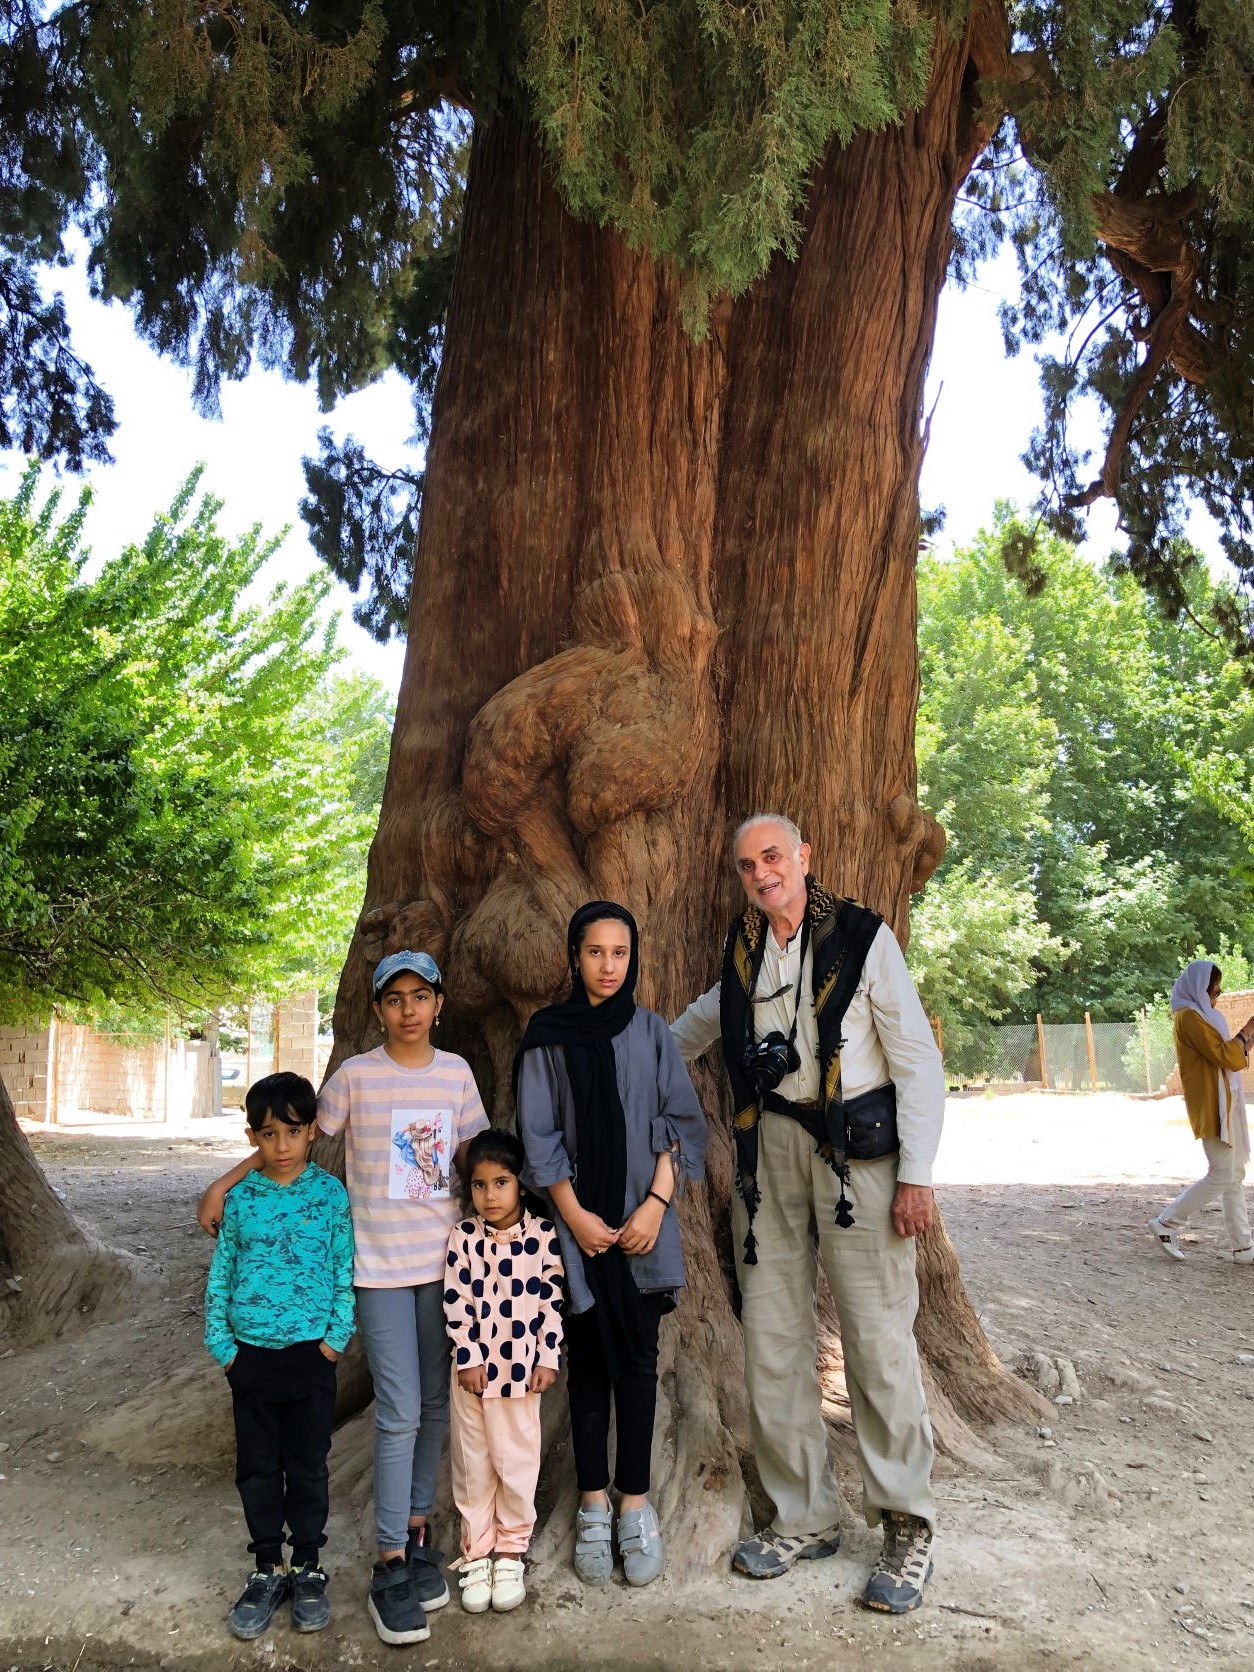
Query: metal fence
1062, 1056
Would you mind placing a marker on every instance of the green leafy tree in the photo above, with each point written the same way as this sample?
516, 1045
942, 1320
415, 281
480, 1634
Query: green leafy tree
188, 802
977, 949
318, 154
1090, 753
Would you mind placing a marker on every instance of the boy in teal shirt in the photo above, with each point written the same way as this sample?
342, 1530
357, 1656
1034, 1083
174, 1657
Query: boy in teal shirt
278, 1314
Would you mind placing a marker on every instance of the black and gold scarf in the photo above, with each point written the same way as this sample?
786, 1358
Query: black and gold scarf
841, 933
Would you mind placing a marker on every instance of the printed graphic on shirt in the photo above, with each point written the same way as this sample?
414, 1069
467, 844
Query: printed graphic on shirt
422, 1149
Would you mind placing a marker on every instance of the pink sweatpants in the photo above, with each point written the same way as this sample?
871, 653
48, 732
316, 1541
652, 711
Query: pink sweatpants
494, 1448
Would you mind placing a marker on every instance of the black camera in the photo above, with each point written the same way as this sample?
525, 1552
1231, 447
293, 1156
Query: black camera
767, 1061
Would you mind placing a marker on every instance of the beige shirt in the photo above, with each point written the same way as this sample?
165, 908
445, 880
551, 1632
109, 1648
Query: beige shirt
887, 1037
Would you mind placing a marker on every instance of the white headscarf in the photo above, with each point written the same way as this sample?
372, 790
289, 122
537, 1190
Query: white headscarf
1191, 992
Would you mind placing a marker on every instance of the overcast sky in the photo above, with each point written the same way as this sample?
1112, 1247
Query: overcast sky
986, 408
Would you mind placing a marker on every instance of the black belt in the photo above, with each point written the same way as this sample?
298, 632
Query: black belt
861, 1128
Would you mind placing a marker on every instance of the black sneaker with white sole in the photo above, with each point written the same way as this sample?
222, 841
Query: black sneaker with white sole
424, 1565
394, 1604
904, 1567
254, 1610
311, 1610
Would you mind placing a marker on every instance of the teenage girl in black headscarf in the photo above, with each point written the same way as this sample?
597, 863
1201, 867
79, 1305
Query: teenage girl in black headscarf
611, 1124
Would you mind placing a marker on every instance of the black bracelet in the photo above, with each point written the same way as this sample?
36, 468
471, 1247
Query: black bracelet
658, 1198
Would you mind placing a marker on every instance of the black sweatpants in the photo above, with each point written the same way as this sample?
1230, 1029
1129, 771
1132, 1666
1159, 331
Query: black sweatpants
284, 1404
634, 1395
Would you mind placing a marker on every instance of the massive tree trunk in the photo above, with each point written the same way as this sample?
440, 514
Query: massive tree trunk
55, 1276
659, 584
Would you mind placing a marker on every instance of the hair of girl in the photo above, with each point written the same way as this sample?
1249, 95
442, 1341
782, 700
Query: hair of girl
501, 1149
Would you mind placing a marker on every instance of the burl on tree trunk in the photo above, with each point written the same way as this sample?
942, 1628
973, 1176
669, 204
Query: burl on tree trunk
56, 1277
661, 584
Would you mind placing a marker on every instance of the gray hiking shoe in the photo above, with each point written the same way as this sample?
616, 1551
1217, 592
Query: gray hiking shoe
768, 1554
904, 1567
640, 1544
252, 1613
594, 1557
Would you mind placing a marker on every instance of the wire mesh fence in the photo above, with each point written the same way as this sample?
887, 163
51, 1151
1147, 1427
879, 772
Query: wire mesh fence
1062, 1056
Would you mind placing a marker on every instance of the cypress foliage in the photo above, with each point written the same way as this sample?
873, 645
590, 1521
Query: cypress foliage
283, 180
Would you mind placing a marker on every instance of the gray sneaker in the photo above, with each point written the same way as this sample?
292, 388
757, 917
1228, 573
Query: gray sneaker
904, 1567
594, 1558
768, 1554
640, 1544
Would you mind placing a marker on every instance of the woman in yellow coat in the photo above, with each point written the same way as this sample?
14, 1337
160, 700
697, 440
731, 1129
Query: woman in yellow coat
1211, 1062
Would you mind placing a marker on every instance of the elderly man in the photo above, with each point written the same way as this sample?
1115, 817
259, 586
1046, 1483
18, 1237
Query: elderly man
838, 1096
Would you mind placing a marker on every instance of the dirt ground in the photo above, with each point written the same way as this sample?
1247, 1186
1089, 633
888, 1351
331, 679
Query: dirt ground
1121, 1539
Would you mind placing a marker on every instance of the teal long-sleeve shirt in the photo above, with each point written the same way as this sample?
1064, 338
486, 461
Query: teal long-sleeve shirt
282, 1268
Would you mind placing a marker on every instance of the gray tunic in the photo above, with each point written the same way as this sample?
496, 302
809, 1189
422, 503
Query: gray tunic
660, 1109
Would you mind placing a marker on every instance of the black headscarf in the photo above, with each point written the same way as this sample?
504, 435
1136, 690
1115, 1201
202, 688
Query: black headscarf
585, 1032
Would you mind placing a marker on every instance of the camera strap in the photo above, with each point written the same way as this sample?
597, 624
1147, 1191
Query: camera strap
750, 1032
801, 975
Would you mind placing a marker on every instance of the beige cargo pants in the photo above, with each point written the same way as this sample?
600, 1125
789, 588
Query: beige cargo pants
870, 1271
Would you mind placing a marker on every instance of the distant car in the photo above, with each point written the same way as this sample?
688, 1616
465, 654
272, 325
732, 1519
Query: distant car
234, 1072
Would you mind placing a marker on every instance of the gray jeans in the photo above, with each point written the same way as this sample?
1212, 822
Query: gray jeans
407, 1348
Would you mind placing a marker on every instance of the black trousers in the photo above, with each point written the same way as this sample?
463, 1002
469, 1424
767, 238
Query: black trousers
284, 1404
634, 1397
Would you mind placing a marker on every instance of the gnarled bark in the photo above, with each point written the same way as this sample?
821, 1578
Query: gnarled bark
661, 583
62, 1279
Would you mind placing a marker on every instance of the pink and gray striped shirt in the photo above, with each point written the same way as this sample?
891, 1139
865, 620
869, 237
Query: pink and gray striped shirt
404, 1127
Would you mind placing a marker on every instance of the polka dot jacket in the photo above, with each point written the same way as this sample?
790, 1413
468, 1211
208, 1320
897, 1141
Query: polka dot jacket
503, 1301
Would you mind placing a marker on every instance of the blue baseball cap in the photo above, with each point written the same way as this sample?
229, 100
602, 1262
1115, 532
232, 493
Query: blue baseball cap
418, 963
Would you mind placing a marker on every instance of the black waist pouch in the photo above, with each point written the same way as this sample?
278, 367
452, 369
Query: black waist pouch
871, 1124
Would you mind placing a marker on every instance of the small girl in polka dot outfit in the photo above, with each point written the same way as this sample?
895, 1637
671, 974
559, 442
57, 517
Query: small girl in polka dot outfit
503, 1308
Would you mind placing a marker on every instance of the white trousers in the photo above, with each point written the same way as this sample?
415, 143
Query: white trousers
1225, 1178
871, 1273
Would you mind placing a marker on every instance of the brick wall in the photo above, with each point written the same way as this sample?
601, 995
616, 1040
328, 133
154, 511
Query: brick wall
98, 1074
144, 1080
24, 1069
1236, 1009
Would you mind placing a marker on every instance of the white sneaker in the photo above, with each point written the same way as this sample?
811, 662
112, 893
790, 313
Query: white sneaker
476, 1585
1243, 1256
1168, 1238
508, 1589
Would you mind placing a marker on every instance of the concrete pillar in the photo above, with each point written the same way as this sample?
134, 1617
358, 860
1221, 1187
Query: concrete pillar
296, 1035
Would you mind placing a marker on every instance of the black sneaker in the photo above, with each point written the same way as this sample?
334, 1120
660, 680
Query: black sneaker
904, 1567
394, 1604
253, 1612
424, 1565
311, 1610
